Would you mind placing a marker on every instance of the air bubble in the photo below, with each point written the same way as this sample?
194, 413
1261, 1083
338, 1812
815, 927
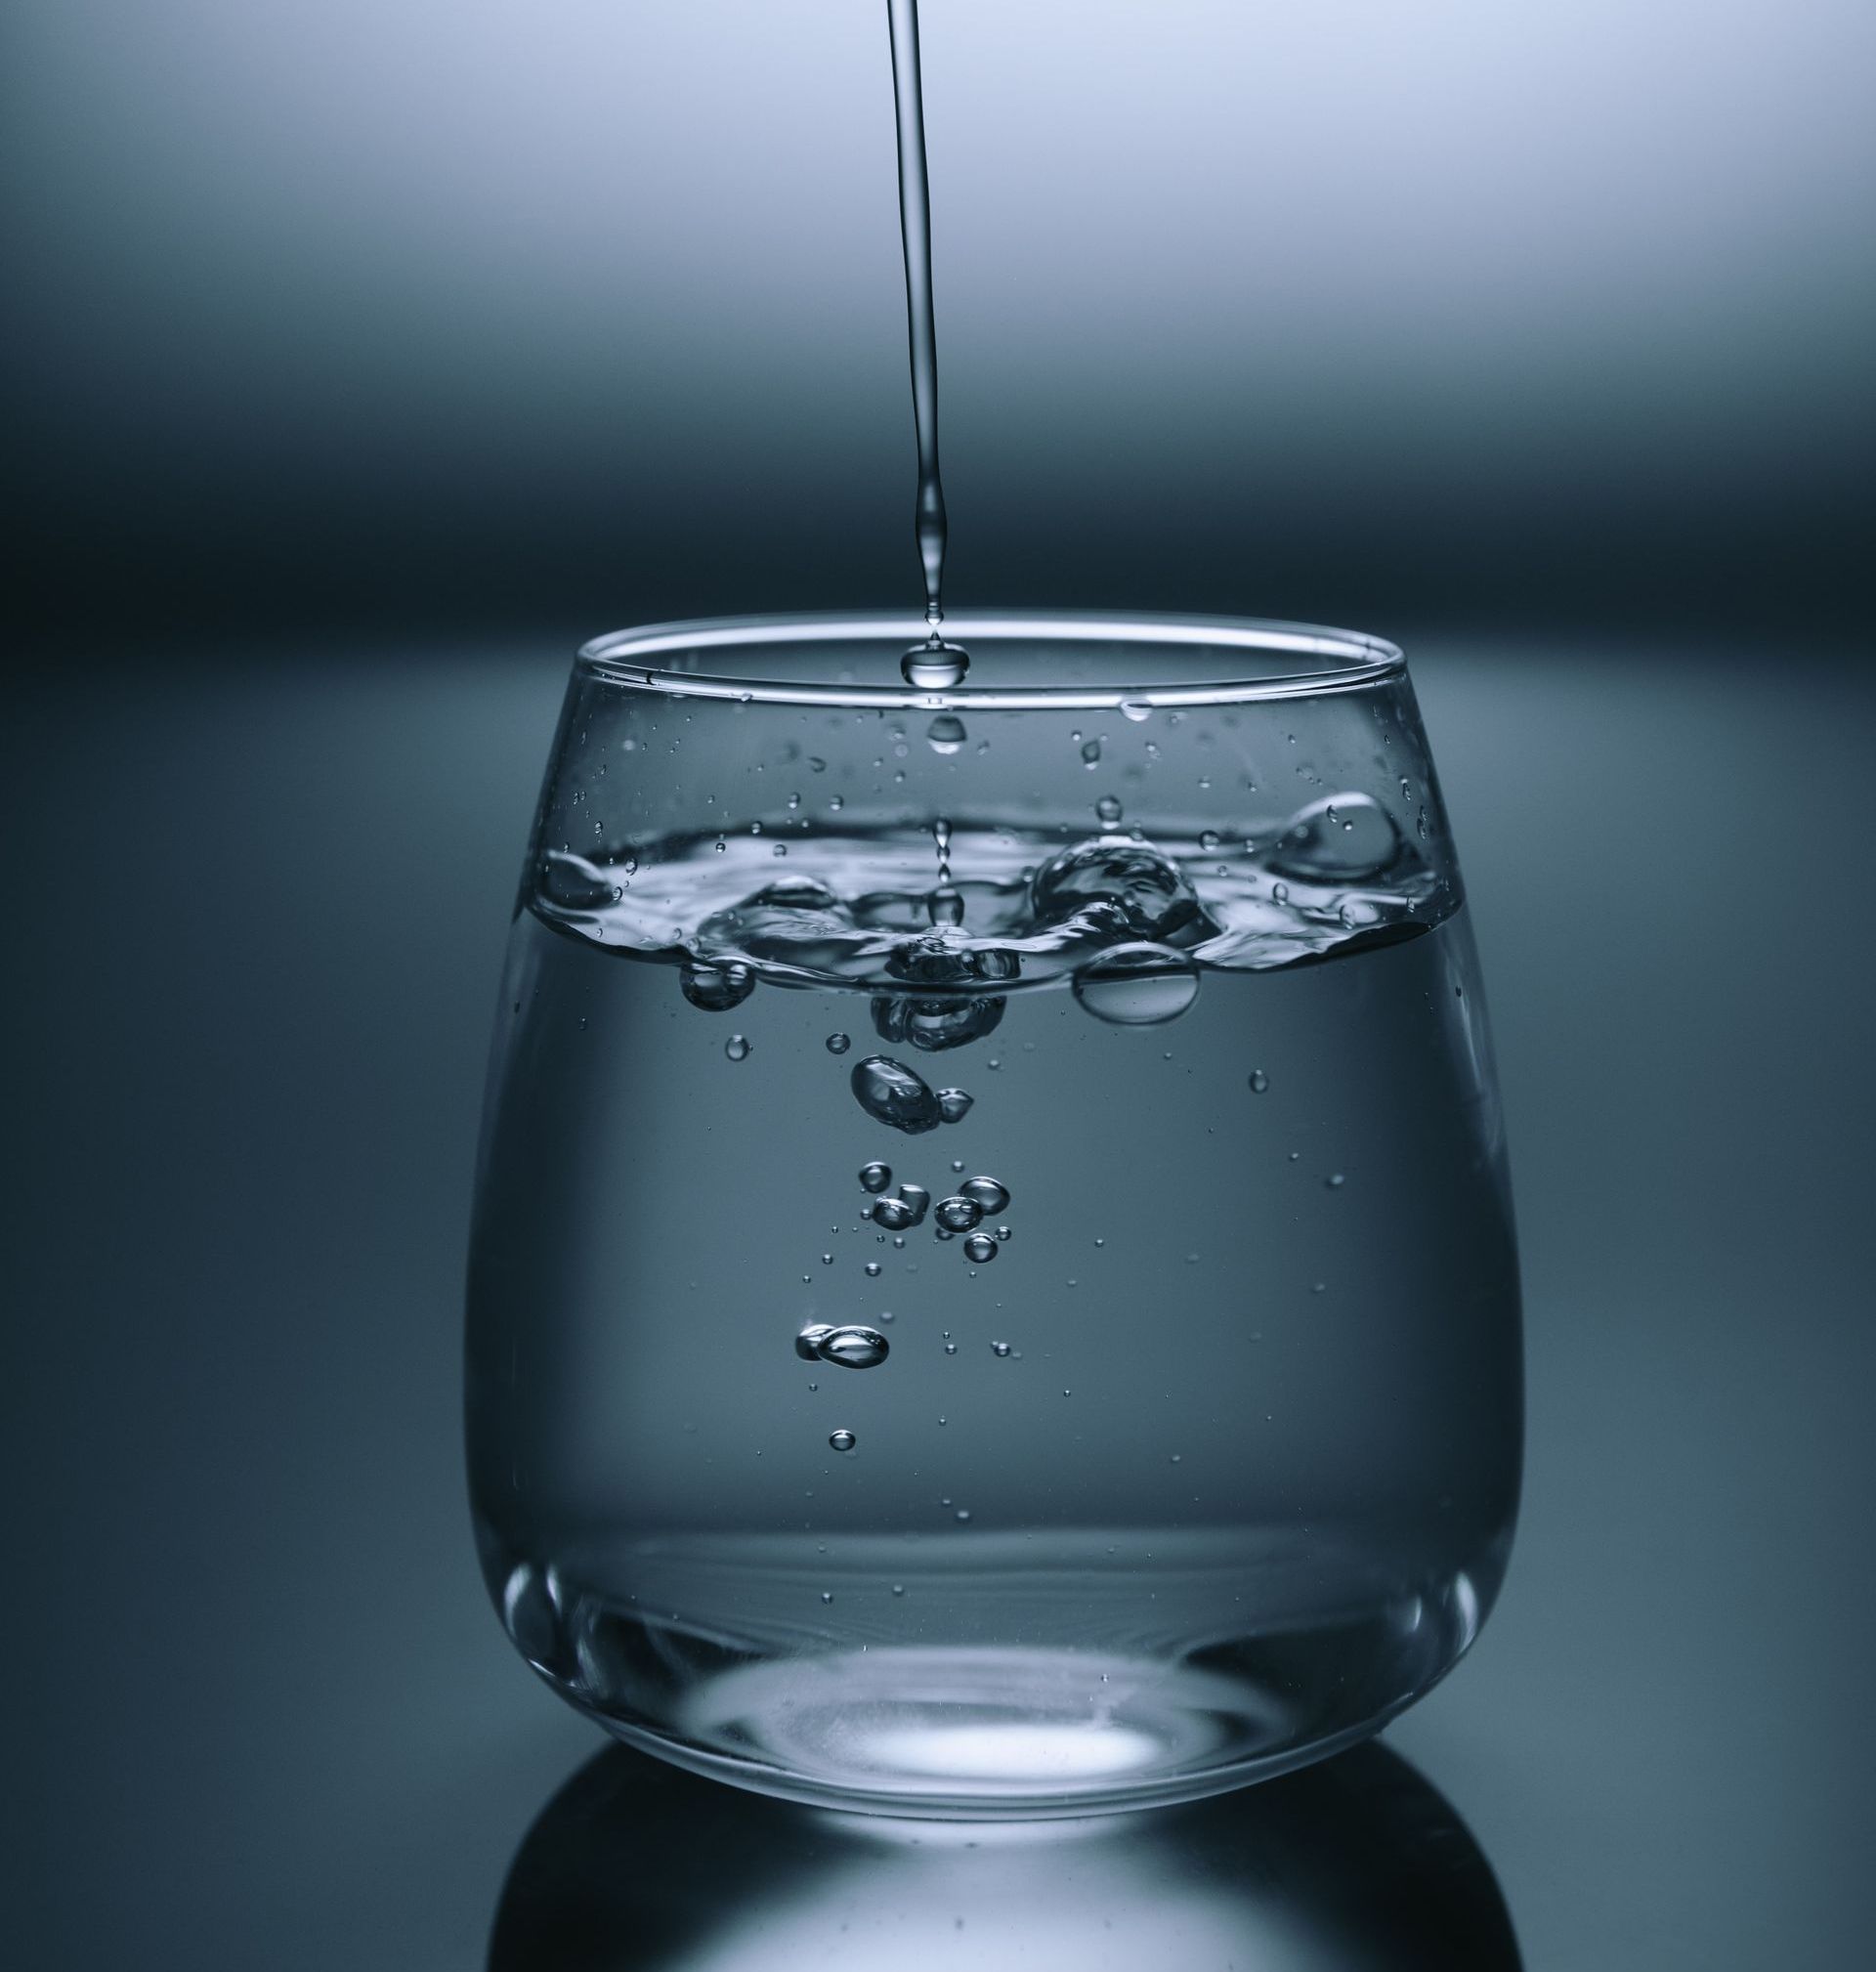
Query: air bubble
891, 1093
917, 1198
1137, 985
1000, 1349
1334, 1180
853, 1346
842, 1441
737, 1046
873, 1269
946, 733
1259, 1081
838, 1043
954, 1104
959, 1214
875, 1178
985, 1193
716, 989
894, 1213
1108, 810
807, 1345
1091, 753
979, 1248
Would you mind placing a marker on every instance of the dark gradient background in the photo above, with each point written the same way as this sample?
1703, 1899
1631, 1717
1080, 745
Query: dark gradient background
362, 358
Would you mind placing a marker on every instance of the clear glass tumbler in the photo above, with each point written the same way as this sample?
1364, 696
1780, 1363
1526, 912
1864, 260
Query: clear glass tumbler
993, 1287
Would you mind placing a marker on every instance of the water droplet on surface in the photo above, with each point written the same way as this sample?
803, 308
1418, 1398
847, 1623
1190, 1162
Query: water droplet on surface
935, 666
1091, 753
807, 1345
959, 1214
1342, 839
874, 1177
1149, 894
946, 733
737, 1046
1000, 1349
1108, 810
954, 1104
891, 1093
842, 1441
1137, 985
979, 1248
838, 1043
716, 989
1259, 1081
853, 1346
985, 1193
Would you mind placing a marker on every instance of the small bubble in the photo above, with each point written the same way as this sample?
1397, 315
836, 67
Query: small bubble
1108, 810
1091, 753
980, 1247
1000, 1349
838, 1043
842, 1441
963, 1514
874, 1177
1209, 838
985, 1193
827, 1594
946, 733
954, 1104
1002, 1233
957, 1164
781, 849
1259, 1081
1334, 1180
959, 1214
873, 1270
951, 1349
737, 1048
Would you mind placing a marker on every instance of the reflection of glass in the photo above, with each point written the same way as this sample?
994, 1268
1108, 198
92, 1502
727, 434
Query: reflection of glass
1193, 1457
1358, 1865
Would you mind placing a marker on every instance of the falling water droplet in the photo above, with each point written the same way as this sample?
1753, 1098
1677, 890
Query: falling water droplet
1137, 985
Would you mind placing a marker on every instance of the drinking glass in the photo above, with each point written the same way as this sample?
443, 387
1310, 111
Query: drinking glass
993, 1288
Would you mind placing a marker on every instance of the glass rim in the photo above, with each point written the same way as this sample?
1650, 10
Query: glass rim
1347, 661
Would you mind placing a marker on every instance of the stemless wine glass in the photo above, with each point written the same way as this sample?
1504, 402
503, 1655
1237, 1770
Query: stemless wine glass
993, 1287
